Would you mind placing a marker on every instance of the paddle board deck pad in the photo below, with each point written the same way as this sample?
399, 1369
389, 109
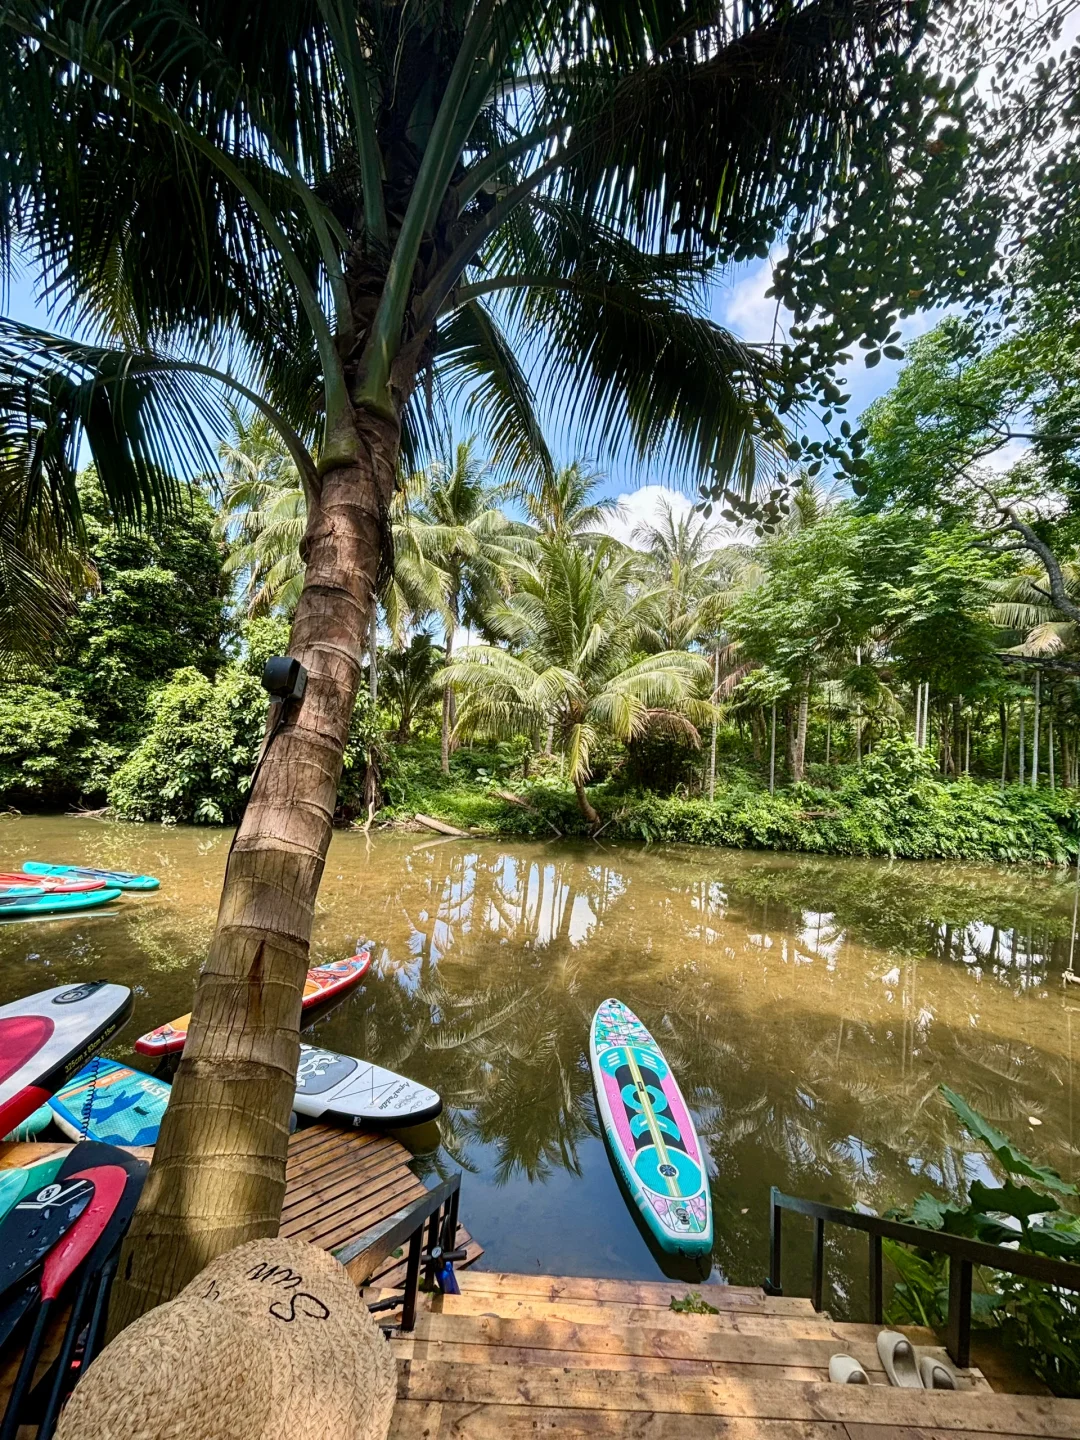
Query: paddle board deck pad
41, 1218
120, 879
331, 1086
322, 984
111, 1103
650, 1132
54, 902
31, 1126
48, 1037
18, 880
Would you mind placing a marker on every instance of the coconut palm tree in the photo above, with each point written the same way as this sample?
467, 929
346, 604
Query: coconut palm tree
563, 504
263, 514
575, 622
367, 205
1023, 602
409, 680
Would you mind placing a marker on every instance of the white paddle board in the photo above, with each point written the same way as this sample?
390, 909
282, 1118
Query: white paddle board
45, 1038
340, 1087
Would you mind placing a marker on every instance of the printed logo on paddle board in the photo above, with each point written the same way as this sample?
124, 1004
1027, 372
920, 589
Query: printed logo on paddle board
78, 992
321, 1070
57, 1194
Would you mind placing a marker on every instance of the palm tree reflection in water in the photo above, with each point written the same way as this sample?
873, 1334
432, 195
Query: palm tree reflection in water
810, 1009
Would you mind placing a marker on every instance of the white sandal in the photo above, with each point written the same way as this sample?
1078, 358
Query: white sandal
898, 1358
846, 1370
935, 1374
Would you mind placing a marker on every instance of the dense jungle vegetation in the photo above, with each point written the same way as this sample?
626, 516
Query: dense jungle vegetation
891, 671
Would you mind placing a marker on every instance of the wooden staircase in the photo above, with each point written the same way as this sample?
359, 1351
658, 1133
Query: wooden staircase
529, 1355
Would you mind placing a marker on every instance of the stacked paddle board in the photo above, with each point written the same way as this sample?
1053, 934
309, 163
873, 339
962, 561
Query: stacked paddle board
111, 1103
46, 1038
650, 1132
117, 879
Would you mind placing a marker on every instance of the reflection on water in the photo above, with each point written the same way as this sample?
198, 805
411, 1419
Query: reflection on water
809, 1007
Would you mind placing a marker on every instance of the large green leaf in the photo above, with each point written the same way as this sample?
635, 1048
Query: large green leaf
1011, 1160
1009, 1199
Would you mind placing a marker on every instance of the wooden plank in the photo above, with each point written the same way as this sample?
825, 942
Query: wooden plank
515, 1357
675, 1343
634, 1292
1035, 1415
345, 1206
347, 1221
427, 1420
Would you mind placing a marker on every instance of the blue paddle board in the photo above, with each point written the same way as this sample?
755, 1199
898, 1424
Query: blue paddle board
54, 902
121, 879
112, 1103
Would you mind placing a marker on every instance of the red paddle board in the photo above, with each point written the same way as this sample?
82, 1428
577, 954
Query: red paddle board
322, 984
18, 880
45, 1038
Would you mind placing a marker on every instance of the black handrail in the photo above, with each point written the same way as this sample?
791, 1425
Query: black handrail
438, 1208
962, 1252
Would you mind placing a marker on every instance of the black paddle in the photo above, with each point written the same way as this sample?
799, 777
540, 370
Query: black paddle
90, 1243
38, 1221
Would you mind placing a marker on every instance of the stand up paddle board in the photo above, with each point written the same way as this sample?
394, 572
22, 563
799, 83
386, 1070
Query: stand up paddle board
650, 1132
38, 884
32, 1125
56, 902
121, 879
339, 1087
322, 984
111, 1103
46, 1038
18, 1183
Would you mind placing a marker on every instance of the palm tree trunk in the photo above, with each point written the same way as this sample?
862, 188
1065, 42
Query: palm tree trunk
712, 743
585, 805
772, 751
1035, 735
1003, 721
800, 732
448, 698
218, 1175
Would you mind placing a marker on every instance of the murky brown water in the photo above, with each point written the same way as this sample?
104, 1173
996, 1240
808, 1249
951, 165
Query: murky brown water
809, 1007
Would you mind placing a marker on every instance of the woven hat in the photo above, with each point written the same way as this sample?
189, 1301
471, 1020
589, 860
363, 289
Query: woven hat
269, 1342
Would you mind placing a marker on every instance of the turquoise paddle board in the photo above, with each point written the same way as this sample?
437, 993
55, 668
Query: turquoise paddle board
112, 1103
650, 1132
27, 1179
121, 879
32, 1125
55, 902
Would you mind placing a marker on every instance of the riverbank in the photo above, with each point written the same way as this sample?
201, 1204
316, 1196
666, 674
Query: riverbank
890, 806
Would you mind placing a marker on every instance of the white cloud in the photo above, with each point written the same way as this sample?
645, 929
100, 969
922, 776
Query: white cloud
748, 312
645, 507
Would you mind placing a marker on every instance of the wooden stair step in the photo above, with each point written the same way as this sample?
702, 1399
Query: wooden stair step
740, 1320
479, 1339
872, 1409
577, 1288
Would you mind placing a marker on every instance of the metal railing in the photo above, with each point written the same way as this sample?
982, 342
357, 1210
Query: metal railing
963, 1255
438, 1209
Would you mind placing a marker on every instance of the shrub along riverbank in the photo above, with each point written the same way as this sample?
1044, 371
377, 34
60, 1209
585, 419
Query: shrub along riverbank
890, 805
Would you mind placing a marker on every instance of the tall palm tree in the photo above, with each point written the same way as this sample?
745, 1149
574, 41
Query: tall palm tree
365, 203
684, 554
263, 514
1023, 602
458, 523
563, 504
575, 622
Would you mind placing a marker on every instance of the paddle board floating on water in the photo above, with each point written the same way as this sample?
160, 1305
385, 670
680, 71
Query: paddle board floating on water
45, 902
650, 1132
340, 1087
322, 983
111, 1103
46, 1038
120, 879
11, 880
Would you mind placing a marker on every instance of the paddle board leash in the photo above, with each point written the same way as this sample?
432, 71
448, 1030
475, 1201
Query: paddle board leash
88, 1103
1070, 975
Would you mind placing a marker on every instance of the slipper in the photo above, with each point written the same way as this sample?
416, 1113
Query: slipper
936, 1374
846, 1370
898, 1358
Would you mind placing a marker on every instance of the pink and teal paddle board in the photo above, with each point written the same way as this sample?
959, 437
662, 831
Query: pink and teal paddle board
650, 1132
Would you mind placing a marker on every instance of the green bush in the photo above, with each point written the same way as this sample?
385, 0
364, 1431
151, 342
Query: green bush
1041, 1321
196, 758
49, 749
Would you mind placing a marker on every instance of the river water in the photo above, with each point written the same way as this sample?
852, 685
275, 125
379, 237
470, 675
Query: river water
809, 1007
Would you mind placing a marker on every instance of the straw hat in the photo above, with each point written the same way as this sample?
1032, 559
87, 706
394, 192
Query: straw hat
269, 1342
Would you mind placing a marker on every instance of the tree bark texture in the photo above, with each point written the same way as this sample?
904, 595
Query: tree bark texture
447, 704
585, 804
218, 1175
799, 765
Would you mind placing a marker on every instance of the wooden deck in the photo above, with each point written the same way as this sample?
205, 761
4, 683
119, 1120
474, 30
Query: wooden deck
517, 1356
338, 1184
